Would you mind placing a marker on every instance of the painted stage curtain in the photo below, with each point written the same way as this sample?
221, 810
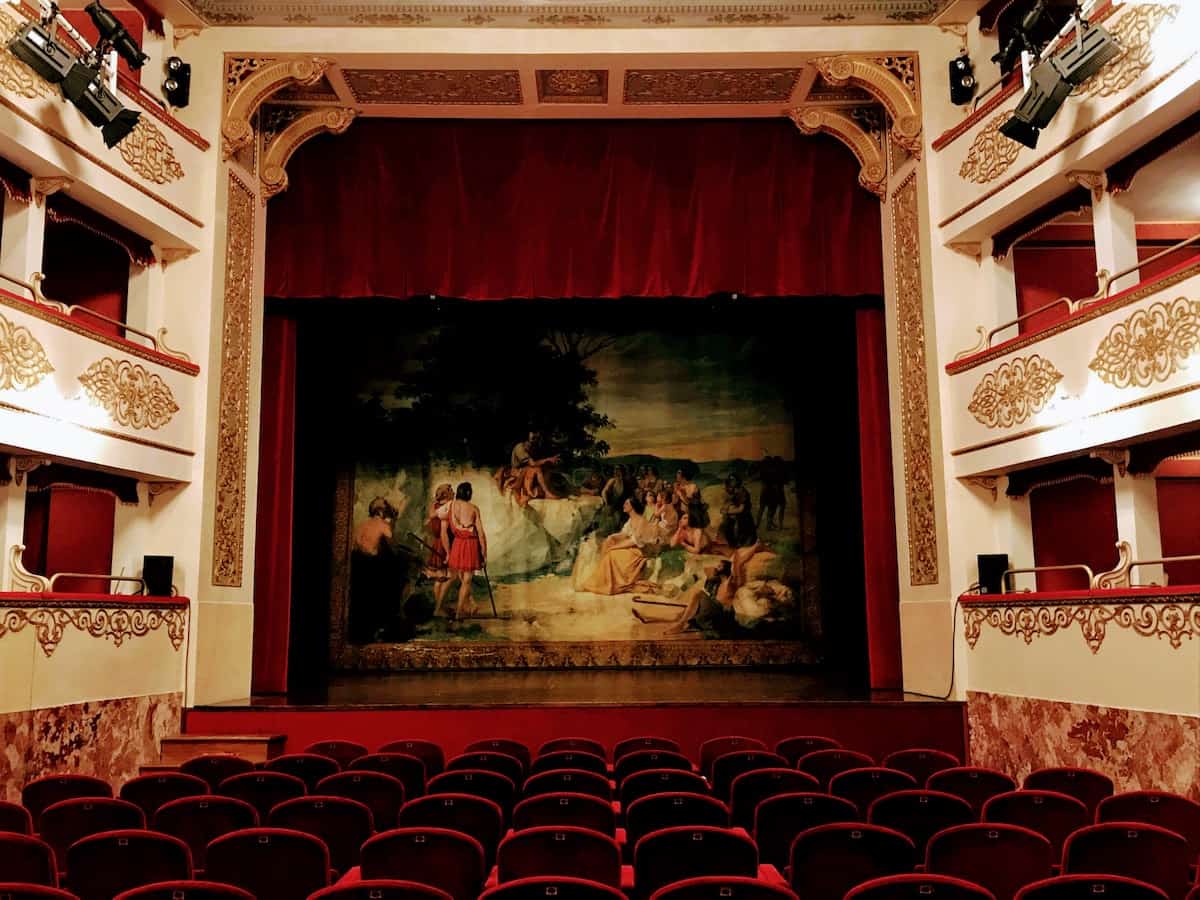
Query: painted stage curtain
497, 209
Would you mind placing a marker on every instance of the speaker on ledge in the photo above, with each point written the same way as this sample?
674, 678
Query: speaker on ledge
991, 572
157, 572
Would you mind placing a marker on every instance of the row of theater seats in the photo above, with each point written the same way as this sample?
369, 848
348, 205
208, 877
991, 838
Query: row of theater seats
831, 822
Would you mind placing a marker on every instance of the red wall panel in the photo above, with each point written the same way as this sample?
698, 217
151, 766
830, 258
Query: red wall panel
1073, 522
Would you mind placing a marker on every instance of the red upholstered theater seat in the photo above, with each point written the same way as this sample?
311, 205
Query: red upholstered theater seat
101, 866
797, 746
1167, 810
65, 822
15, 818
216, 767
381, 889
572, 781
862, 787
42, 792
308, 767
723, 887
345, 752
152, 791
197, 821
660, 781
557, 887
1001, 858
728, 766
570, 759
426, 751
27, 859
444, 859
479, 817
1086, 785
829, 860
579, 810
19, 890
921, 762
920, 814
778, 820
1090, 887
502, 745
409, 769
643, 742
673, 854
560, 850
713, 748
751, 788
1049, 813
644, 760
186, 890
919, 887
479, 783
659, 811
974, 784
270, 863
500, 763
342, 824
262, 790
577, 744
824, 764
1132, 849
383, 794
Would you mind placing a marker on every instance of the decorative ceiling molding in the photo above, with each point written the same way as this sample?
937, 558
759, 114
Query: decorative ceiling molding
668, 86
250, 92
273, 174
434, 87
873, 172
880, 80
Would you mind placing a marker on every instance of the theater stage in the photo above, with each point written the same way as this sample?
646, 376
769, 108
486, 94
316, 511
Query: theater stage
689, 705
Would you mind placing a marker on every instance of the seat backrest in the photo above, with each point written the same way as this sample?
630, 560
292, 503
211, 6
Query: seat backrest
919, 887
673, 854
560, 850
660, 811
197, 821
569, 759
345, 752
974, 784
341, 823
643, 742
559, 887
1049, 813
216, 767
409, 769
829, 860
779, 819
449, 860
381, 889
262, 790
508, 766
824, 764
1001, 858
42, 792
793, 748
308, 767
502, 745
729, 766
15, 818
751, 788
471, 814
186, 890
152, 791
1172, 811
480, 783
384, 794
578, 744
573, 781
921, 762
20, 890
723, 887
28, 859
101, 866
641, 760
426, 751
660, 781
271, 863
920, 814
862, 787
719, 746
65, 822
579, 810
1091, 887
1133, 849
1086, 785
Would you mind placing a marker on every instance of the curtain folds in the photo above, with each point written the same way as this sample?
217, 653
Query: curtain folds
496, 209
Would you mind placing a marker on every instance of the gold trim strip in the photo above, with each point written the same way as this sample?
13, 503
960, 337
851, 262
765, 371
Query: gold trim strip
155, 445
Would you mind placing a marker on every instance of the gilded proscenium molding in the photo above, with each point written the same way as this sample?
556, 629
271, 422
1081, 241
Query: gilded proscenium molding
130, 393
23, 360
233, 424
1015, 392
710, 85
872, 173
147, 152
878, 79
273, 172
117, 622
1150, 346
921, 513
20, 578
1173, 617
435, 87
245, 99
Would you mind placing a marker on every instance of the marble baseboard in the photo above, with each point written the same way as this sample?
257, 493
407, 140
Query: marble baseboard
110, 739
1138, 750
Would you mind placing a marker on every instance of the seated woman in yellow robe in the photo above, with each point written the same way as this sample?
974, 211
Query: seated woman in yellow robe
623, 555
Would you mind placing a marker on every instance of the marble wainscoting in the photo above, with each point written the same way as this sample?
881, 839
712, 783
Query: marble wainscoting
1138, 750
106, 738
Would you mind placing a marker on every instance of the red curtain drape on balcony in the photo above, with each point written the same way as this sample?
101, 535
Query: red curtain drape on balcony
1073, 521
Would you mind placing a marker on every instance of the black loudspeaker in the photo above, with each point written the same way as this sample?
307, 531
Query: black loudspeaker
991, 572
157, 572
962, 80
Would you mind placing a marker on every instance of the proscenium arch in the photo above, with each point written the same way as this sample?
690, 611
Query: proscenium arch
237, 131
882, 84
273, 176
873, 172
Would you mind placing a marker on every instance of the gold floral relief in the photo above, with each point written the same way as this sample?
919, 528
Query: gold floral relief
16, 77
130, 393
1133, 32
23, 360
1151, 345
1015, 392
49, 623
991, 153
147, 151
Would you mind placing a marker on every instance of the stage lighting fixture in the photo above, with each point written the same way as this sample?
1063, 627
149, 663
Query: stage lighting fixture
84, 87
1022, 37
962, 80
35, 46
113, 33
1047, 92
178, 86
1083, 57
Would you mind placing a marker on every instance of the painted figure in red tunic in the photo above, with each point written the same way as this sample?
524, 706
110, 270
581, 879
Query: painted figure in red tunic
435, 566
466, 546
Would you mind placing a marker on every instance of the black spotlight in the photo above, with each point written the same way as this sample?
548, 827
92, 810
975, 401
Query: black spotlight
113, 32
1047, 92
178, 86
1087, 54
84, 87
35, 46
962, 80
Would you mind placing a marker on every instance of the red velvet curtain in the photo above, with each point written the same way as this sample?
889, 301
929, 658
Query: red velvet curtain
84, 269
496, 209
70, 529
273, 545
1073, 522
1179, 526
878, 503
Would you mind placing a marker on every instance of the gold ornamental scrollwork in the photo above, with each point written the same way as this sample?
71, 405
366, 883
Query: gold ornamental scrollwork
991, 153
273, 175
130, 393
1133, 32
1150, 346
23, 360
117, 624
873, 172
20, 578
1015, 392
243, 101
16, 77
147, 151
884, 85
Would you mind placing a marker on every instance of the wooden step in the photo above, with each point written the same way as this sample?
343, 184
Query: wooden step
254, 747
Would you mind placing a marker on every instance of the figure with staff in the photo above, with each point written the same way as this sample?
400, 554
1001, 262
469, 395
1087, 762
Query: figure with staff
466, 554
